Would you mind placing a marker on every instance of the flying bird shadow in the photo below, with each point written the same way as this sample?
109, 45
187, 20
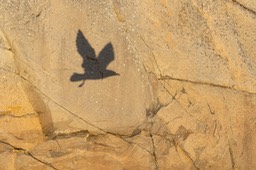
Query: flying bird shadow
94, 67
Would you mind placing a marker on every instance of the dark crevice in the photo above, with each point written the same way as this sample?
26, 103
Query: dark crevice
5, 48
43, 162
211, 111
173, 97
135, 132
154, 151
25, 152
193, 162
14, 147
244, 7
143, 148
70, 112
125, 139
8, 114
151, 112
188, 156
204, 83
162, 77
153, 55
174, 140
81, 133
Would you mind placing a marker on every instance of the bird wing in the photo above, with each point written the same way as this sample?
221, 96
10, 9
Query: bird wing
106, 56
83, 46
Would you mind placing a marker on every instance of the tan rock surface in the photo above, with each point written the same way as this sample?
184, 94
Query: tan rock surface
127, 84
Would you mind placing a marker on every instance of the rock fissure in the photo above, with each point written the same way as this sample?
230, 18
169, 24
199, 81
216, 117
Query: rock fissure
187, 84
62, 106
244, 7
9, 114
175, 143
205, 83
154, 151
41, 161
187, 155
155, 109
120, 18
153, 55
63, 135
5, 48
81, 133
14, 147
143, 148
25, 152
210, 109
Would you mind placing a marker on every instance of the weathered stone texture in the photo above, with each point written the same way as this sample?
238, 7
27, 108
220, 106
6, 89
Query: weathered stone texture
127, 84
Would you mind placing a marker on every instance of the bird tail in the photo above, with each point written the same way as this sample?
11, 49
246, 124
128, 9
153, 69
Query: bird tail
77, 77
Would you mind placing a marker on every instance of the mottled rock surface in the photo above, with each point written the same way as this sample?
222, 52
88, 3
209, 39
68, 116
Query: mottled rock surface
127, 85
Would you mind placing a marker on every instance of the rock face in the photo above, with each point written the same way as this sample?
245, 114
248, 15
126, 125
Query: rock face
127, 85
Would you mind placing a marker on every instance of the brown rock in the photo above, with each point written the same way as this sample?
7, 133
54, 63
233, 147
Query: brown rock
127, 85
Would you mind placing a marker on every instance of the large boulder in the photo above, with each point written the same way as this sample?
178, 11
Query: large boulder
127, 84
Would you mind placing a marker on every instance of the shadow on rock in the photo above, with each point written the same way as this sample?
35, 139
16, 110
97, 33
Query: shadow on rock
94, 67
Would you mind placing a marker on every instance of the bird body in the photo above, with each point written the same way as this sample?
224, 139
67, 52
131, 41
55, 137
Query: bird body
94, 68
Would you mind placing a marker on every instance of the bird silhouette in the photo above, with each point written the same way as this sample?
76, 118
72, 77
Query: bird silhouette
94, 68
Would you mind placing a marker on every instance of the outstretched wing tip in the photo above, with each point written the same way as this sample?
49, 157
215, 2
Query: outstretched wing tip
107, 54
83, 46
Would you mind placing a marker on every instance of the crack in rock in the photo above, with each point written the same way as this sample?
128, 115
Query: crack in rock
244, 7
25, 152
6, 48
154, 151
205, 83
232, 159
186, 154
8, 114
70, 112
151, 112
81, 133
153, 55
